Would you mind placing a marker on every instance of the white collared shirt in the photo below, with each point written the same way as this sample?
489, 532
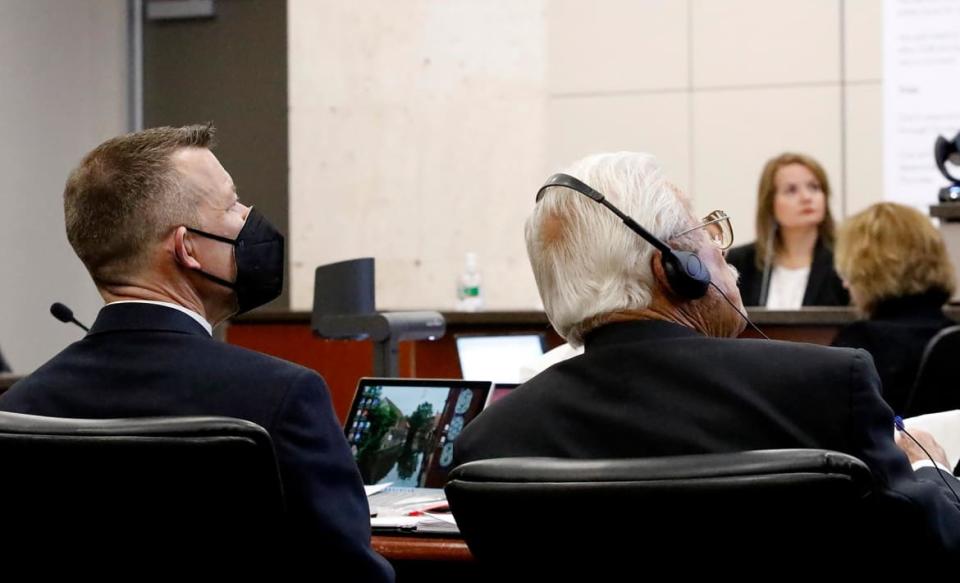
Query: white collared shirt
787, 287
200, 319
930, 464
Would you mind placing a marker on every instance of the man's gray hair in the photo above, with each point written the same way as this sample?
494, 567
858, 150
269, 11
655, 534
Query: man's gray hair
587, 263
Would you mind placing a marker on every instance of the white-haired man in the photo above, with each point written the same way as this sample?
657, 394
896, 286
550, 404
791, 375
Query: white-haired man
663, 374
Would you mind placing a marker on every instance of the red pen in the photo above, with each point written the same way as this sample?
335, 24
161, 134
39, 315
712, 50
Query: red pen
429, 508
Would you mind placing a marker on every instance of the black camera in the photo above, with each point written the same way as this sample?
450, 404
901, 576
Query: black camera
945, 150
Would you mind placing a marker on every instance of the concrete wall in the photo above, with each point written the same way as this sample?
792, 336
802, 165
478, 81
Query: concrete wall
63, 74
420, 130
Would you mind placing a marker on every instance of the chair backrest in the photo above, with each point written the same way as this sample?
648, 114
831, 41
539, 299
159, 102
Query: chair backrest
936, 387
559, 512
180, 481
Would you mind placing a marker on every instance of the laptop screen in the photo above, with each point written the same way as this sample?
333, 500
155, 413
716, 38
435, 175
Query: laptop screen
500, 390
402, 431
498, 358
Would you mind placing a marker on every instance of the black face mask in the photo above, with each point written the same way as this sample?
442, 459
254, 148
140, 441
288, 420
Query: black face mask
258, 250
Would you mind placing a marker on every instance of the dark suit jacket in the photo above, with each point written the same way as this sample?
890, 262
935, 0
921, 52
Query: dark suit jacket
824, 287
4, 367
142, 360
896, 336
647, 389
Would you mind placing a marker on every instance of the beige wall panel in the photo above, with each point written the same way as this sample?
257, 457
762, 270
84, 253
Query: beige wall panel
864, 125
655, 123
616, 45
416, 135
863, 31
765, 42
421, 130
736, 132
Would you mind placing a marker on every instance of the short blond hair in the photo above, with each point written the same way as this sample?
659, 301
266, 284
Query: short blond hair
126, 195
889, 251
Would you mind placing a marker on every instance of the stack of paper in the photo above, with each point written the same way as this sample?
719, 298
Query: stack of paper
945, 428
420, 509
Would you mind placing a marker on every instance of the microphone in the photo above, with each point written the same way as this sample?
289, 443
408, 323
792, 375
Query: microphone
65, 315
768, 263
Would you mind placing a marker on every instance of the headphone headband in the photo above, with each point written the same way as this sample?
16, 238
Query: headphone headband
687, 275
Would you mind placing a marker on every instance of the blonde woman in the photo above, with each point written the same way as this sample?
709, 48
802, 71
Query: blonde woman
790, 264
895, 265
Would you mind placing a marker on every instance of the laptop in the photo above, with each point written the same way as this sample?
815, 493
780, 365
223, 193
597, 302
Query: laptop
500, 390
401, 433
498, 358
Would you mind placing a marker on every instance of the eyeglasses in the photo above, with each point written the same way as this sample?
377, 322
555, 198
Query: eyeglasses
718, 229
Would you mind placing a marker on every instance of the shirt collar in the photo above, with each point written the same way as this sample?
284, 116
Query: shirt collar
199, 319
636, 331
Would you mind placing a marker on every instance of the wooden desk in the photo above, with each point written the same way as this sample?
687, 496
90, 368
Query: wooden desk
429, 559
422, 548
288, 335
341, 362
812, 325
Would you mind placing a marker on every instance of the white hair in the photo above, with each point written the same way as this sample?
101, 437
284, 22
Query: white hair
587, 263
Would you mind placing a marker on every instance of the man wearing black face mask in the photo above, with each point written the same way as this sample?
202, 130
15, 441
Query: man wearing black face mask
157, 222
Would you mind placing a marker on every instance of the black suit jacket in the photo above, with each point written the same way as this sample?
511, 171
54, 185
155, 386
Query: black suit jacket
142, 360
896, 335
647, 389
824, 286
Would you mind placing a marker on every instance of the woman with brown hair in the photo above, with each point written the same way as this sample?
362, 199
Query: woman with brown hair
896, 266
791, 262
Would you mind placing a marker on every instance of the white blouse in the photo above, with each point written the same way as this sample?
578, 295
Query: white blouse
787, 287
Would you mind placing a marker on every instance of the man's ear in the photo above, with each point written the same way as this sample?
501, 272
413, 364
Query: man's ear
184, 249
659, 274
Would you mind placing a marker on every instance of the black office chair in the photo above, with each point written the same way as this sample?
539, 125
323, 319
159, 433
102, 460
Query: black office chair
167, 489
749, 507
937, 387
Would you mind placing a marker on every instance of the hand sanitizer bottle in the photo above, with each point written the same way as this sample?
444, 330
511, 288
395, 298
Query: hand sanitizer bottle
469, 295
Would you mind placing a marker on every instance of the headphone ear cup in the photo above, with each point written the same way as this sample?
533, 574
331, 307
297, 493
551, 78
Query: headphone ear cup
687, 275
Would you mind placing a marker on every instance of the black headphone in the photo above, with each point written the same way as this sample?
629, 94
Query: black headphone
687, 275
